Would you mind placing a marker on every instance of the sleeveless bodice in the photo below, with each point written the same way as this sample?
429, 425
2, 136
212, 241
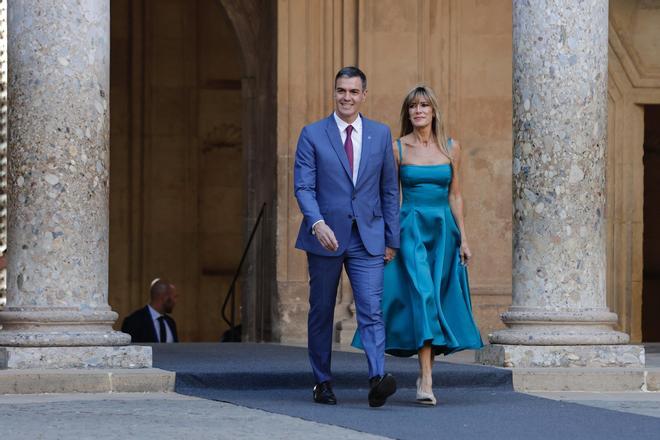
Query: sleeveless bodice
425, 184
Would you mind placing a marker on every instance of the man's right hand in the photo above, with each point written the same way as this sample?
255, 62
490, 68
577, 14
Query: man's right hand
326, 237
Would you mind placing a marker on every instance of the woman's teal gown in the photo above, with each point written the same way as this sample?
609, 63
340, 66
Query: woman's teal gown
426, 295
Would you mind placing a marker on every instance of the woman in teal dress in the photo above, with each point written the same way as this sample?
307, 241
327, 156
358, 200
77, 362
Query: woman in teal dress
426, 297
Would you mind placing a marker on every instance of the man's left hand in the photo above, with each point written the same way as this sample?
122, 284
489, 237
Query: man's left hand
389, 254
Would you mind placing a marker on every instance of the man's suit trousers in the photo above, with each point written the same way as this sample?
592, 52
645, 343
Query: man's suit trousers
365, 273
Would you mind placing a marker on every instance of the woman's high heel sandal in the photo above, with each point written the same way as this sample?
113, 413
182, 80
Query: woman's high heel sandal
423, 397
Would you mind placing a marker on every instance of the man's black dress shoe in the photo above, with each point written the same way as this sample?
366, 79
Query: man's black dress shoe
381, 389
323, 394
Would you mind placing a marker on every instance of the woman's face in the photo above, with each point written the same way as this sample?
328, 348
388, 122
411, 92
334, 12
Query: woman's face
420, 112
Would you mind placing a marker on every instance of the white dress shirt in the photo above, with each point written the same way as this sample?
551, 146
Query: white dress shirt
356, 136
169, 337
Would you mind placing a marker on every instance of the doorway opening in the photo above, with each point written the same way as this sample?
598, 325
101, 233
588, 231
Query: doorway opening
190, 160
651, 277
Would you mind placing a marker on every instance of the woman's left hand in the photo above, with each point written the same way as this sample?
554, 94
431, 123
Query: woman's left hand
466, 254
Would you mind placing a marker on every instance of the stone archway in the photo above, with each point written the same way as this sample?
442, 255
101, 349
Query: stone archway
189, 139
255, 24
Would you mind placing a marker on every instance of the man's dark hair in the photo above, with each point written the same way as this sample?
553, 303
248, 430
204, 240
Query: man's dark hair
352, 72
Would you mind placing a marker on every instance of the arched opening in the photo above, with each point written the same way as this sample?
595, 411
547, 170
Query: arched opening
181, 192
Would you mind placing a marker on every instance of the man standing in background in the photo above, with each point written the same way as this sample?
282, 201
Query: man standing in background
152, 322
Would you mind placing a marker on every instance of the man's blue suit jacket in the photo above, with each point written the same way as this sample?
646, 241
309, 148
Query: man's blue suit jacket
325, 191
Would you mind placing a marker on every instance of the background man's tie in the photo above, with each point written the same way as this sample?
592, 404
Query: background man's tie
161, 327
348, 147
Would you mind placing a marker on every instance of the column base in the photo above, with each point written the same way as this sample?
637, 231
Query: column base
25, 327
545, 356
573, 334
26, 358
63, 338
538, 326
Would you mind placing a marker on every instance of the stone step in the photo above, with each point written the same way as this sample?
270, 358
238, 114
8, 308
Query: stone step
38, 381
586, 379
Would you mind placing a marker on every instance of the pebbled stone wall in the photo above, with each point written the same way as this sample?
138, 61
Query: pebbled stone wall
58, 201
560, 126
3, 147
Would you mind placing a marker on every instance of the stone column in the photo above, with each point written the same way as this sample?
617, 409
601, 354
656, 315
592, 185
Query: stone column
559, 315
3, 147
57, 312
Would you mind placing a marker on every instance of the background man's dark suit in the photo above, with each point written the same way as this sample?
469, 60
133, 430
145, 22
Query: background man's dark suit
141, 327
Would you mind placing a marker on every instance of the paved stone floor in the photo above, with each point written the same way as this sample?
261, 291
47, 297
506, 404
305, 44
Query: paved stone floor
173, 415
150, 416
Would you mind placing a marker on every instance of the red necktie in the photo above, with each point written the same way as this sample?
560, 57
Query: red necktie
348, 147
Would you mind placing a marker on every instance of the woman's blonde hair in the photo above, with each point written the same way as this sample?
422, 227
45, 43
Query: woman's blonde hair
437, 126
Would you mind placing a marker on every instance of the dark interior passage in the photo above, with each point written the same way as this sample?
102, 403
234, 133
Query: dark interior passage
651, 282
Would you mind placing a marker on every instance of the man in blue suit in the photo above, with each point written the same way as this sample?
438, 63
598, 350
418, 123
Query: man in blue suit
347, 189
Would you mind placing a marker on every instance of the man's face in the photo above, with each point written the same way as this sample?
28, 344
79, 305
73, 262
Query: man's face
170, 300
349, 96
